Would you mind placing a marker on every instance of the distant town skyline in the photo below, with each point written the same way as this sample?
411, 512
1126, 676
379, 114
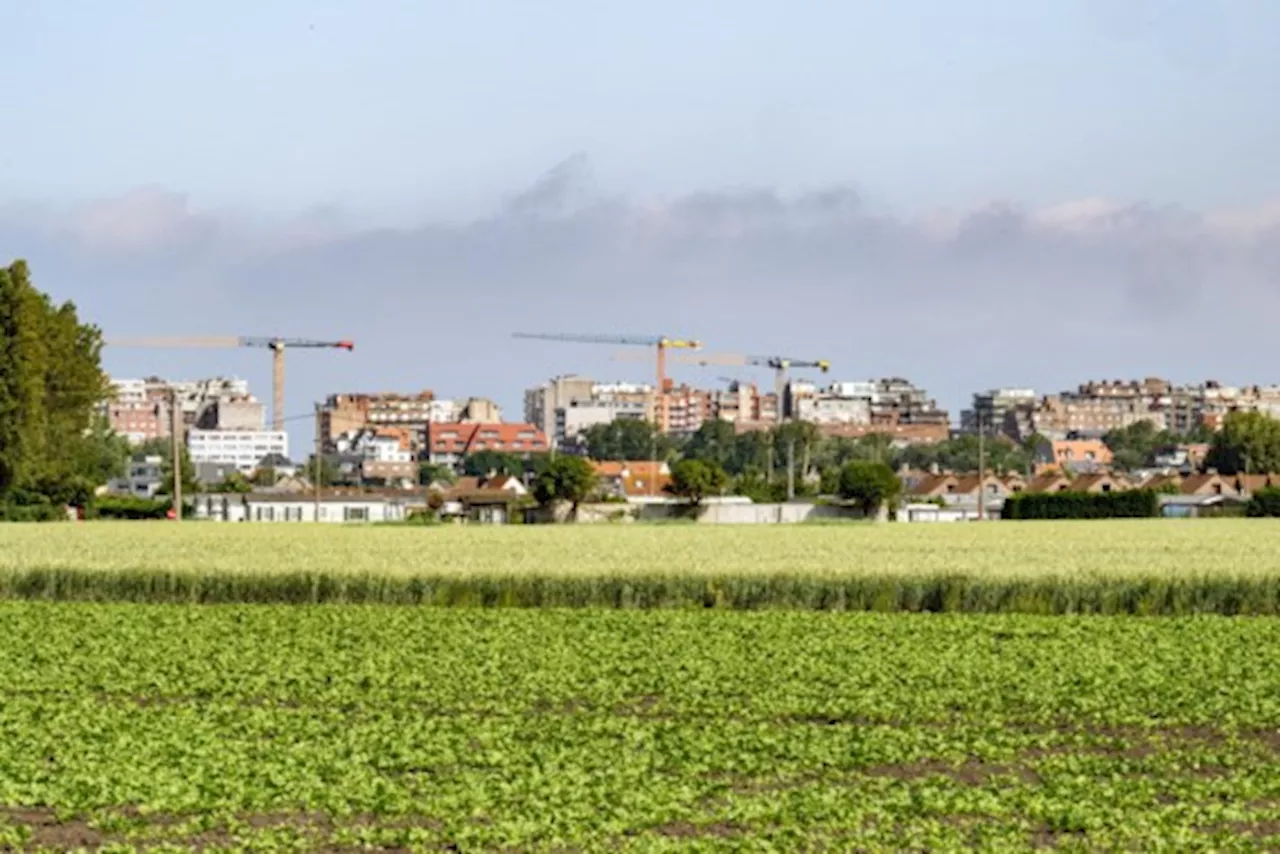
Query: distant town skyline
1010, 194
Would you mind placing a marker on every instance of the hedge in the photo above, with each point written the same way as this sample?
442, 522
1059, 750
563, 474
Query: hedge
1265, 502
1129, 504
126, 507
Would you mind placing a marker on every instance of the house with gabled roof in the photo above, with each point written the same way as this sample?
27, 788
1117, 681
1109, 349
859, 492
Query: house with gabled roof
1098, 482
1209, 483
633, 479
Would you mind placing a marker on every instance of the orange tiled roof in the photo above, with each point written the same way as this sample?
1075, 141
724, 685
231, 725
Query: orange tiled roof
466, 438
637, 468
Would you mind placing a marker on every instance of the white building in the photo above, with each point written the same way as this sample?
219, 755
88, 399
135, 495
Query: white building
572, 421
379, 446
242, 448
281, 507
142, 479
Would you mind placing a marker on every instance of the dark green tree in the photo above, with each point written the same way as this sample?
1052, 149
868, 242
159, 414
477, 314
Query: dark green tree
806, 439
752, 453
51, 383
715, 441
961, 455
483, 463
104, 455
234, 482
566, 478
429, 473
626, 439
1135, 446
1248, 443
754, 485
695, 480
869, 485
329, 473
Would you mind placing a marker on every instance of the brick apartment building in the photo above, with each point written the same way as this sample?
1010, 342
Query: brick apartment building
448, 443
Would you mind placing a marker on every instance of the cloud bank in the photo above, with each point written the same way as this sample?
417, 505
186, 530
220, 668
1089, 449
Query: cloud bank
955, 299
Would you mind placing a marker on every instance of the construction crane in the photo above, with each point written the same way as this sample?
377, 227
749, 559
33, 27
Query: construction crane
779, 365
277, 346
660, 343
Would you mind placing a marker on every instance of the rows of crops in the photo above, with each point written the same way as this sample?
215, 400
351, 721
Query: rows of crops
1141, 567
294, 728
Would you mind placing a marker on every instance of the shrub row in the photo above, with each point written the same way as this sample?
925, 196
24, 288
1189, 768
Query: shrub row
1129, 504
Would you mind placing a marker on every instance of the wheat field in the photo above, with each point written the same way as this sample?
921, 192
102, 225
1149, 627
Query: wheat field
1139, 566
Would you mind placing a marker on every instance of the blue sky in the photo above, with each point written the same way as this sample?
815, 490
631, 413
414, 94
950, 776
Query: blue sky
899, 187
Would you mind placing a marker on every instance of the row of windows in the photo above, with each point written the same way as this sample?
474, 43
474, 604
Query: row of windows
294, 514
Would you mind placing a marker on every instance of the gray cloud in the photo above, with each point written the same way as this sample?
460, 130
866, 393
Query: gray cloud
1001, 293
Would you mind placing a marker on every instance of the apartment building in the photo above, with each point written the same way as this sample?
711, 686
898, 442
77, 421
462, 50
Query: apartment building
542, 402
687, 408
345, 413
565, 406
1204, 405
244, 449
383, 454
887, 402
998, 409
233, 414
139, 409
744, 402
1098, 407
447, 444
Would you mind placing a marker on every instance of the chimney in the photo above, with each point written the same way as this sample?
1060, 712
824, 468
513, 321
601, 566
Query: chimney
1212, 472
934, 469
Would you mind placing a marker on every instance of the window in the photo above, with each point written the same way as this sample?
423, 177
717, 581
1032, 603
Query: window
355, 514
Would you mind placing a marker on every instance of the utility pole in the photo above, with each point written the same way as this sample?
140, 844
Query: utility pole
175, 450
982, 469
315, 470
791, 468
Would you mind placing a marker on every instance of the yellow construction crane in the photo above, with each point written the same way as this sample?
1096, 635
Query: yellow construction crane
779, 364
277, 346
660, 343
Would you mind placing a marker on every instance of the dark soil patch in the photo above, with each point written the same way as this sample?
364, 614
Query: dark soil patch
1257, 829
1046, 838
689, 830
48, 832
971, 773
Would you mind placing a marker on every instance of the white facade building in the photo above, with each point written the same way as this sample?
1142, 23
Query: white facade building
274, 507
242, 448
373, 446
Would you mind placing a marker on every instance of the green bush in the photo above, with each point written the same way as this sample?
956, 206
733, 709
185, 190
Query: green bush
1265, 502
1130, 504
128, 507
38, 512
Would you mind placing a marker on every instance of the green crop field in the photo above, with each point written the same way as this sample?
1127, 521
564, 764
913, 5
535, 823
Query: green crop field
1141, 567
277, 728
